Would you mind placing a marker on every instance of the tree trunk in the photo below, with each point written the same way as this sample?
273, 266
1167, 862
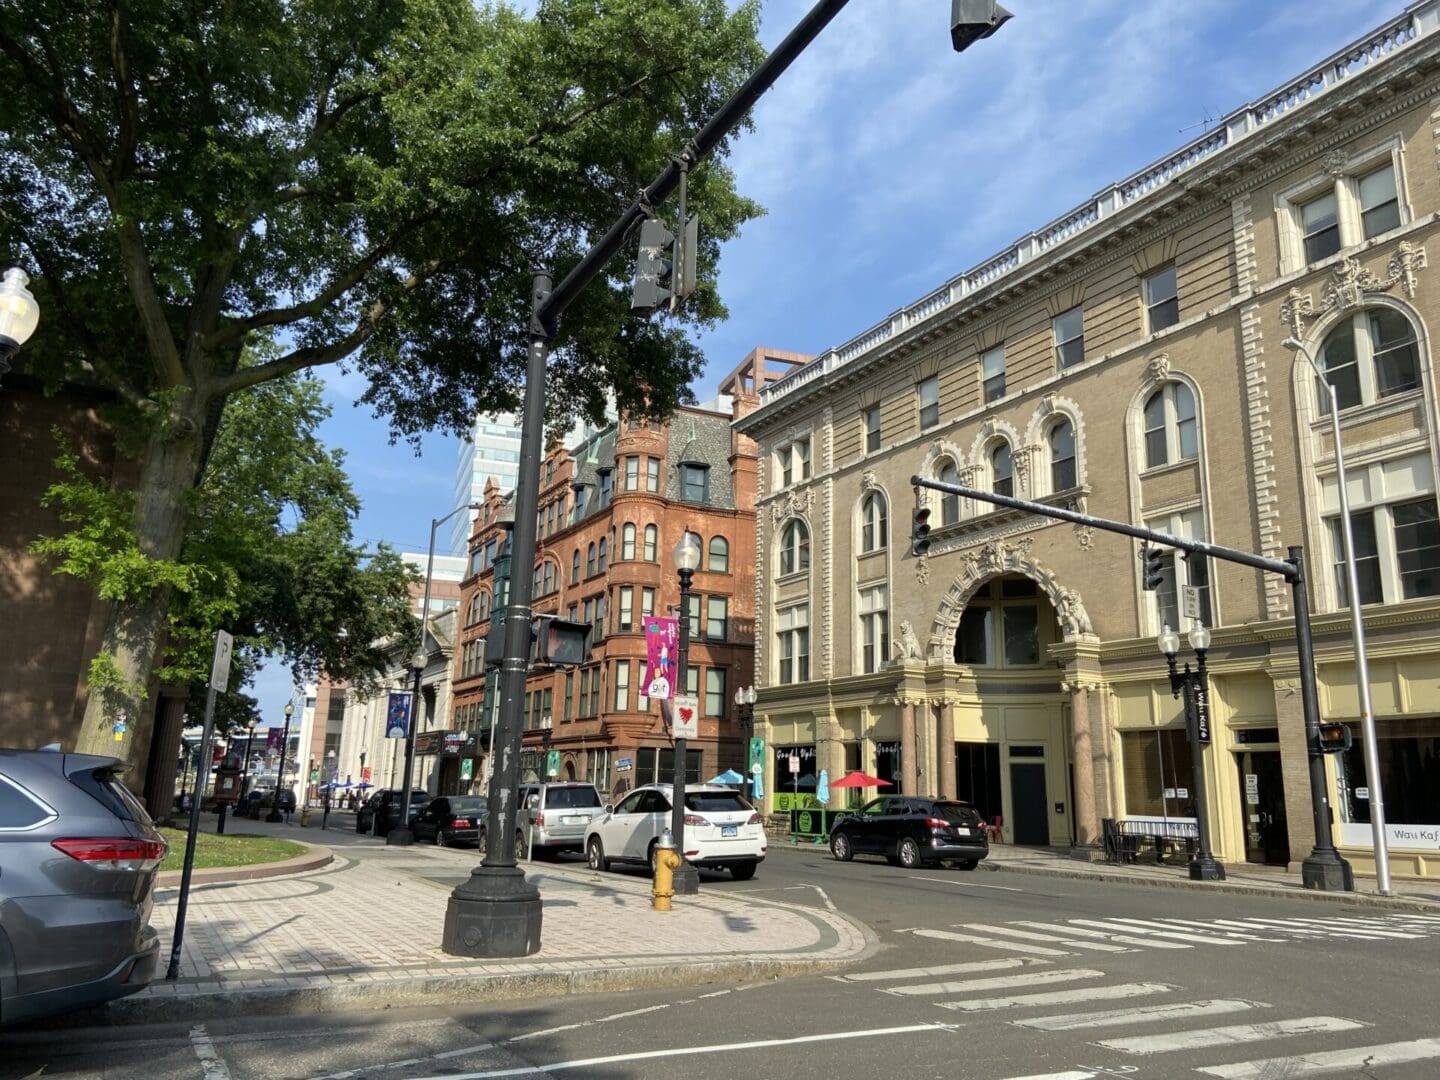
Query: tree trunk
117, 721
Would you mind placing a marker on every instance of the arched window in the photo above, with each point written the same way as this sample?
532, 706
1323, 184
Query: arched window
719, 555
1171, 433
473, 615
575, 567
1002, 476
1368, 357
652, 538
794, 548
590, 561
604, 547
874, 523
627, 541
1062, 456
949, 503
484, 613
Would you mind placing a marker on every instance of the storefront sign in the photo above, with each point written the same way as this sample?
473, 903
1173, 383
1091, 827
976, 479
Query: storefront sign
1412, 837
624, 764
1202, 712
662, 639
467, 768
552, 763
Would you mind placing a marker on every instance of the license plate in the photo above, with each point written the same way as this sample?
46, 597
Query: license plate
575, 820
963, 831
729, 830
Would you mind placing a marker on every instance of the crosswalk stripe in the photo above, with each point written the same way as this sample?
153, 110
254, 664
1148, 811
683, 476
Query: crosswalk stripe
1073, 931
1204, 1038
1198, 924
1335, 926
1146, 1014
1059, 997
944, 969
1072, 1074
1227, 937
1030, 935
1002, 982
1252, 929
1177, 935
991, 943
1325, 1062
1290, 927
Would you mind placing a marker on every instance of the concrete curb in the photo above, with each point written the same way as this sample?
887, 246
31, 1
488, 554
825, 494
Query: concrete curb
1356, 899
315, 857
441, 990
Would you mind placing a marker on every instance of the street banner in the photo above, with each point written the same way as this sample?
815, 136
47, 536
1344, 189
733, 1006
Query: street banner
552, 763
397, 716
662, 639
467, 769
686, 724
273, 738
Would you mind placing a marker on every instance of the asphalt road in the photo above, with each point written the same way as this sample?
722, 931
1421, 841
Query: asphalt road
984, 975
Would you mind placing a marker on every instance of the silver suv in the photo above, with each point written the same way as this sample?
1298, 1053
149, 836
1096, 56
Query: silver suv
557, 815
80, 858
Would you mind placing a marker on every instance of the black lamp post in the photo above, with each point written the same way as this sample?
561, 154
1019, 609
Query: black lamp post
400, 835
275, 815
19, 315
687, 561
1194, 687
249, 749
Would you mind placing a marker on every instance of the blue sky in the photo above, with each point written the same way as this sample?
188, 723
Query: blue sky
888, 163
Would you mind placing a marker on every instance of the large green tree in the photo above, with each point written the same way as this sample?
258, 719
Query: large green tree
369, 181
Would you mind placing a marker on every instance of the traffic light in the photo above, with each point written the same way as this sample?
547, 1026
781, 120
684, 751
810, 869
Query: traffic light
656, 283
920, 530
1335, 738
559, 641
1156, 563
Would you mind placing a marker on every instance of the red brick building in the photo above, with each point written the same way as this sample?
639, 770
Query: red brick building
612, 509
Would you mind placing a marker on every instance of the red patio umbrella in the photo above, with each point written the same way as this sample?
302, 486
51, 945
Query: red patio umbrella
860, 779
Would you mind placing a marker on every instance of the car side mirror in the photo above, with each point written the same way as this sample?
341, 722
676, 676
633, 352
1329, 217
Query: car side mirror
533, 803
607, 809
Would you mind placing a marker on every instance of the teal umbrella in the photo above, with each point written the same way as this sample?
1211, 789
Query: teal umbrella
729, 776
822, 791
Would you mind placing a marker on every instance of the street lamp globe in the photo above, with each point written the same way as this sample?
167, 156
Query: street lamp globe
745, 695
1169, 641
19, 313
419, 660
687, 552
1199, 637
289, 708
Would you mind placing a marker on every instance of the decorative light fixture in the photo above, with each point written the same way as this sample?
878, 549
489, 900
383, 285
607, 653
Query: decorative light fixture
19, 315
687, 552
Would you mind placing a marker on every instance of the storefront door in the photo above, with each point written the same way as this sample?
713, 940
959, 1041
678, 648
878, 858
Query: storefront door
1027, 798
1262, 802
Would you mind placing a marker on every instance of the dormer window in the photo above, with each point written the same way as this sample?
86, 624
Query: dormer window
607, 487
694, 483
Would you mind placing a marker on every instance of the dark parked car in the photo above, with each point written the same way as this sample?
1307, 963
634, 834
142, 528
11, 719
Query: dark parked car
911, 831
381, 812
450, 820
249, 804
79, 858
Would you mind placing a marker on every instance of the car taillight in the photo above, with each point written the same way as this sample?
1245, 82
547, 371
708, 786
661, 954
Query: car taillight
113, 852
754, 820
540, 818
696, 819
460, 823
937, 823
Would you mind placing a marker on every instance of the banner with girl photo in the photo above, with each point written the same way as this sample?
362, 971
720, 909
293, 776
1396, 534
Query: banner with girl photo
662, 640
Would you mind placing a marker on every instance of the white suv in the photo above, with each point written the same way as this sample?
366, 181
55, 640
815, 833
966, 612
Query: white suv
722, 830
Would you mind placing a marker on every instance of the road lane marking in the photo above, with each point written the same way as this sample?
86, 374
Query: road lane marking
944, 969
680, 1051
1328, 1062
1177, 935
1145, 1014
1289, 926
1031, 935
1060, 997
1002, 982
600, 1020
1230, 936
1070, 1075
1123, 939
210, 1060
1204, 1038
829, 904
991, 943
1359, 931
967, 884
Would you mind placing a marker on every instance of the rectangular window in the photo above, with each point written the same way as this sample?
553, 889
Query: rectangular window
1320, 224
1417, 547
972, 640
595, 692
1181, 569
1379, 202
872, 429
694, 483
874, 628
622, 686
793, 639
607, 487
1367, 558
1069, 330
625, 617
692, 680
652, 474
569, 695
927, 393
802, 459
547, 714
717, 611
647, 601
992, 373
692, 609
1022, 634
1162, 300
1156, 766
632, 474
715, 692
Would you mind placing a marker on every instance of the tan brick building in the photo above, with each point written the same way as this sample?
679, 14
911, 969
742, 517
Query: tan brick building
612, 509
1127, 358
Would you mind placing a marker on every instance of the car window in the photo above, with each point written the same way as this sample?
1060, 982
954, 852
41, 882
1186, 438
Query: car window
105, 788
655, 803
17, 809
631, 803
896, 807
873, 808
719, 801
565, 798
467, 805
959, 813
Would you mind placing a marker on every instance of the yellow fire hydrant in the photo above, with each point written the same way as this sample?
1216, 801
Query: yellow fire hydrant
666, 863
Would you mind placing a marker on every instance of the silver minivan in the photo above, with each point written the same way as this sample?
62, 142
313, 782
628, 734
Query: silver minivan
556, 815
78, 861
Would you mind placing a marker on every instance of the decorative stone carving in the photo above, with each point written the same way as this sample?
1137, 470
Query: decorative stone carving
907, 645
795, 503
1084, 534
1296, 308
1048, 405
1071, 612
922, 570
868, 481
1335, 163
1350, 283
1157, 368
1402, 266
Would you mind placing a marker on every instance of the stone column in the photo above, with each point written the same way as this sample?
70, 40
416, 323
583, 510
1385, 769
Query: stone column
1087, 825
909, 750
945, 750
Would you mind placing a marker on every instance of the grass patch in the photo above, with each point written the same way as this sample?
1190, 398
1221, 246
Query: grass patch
227, 850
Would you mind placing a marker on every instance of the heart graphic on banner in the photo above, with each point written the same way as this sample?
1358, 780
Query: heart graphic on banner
686, 714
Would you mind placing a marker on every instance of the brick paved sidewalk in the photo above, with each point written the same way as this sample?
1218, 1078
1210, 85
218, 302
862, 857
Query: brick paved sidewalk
366, 930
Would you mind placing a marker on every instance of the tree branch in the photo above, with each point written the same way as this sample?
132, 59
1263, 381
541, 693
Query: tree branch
127, 106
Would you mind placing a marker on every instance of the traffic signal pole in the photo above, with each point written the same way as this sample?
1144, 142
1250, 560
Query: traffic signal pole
1324, 869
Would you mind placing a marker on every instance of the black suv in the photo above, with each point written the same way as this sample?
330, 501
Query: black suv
911, 831
381, 812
